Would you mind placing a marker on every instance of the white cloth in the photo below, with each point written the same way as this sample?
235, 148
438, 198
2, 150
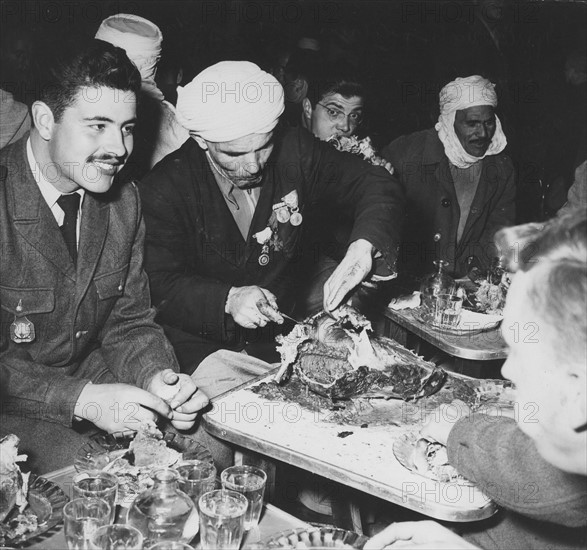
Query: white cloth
141, 40
230, 100
458, 95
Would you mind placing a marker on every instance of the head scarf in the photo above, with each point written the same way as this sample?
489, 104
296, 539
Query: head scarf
141, 40
458, 95
230, 100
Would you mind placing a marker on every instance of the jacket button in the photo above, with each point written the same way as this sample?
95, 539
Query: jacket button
79, 334
437, 237
119, 288
445, 203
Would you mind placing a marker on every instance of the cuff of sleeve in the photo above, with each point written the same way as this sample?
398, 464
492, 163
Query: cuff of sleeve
61, 399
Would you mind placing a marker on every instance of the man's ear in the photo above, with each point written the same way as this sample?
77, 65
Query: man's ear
201, 142
307, 109
43, 119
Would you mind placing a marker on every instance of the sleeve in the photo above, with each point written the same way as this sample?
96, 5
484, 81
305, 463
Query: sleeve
32, 390
372, 196
496, 455
132, 343
185, 299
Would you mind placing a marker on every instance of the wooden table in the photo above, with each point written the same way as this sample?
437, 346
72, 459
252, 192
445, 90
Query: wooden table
361, 458
476, 346
273, 520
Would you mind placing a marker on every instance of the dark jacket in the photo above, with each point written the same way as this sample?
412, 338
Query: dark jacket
93, 323
432, 217
196, 253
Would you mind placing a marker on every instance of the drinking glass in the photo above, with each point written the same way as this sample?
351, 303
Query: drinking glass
97, 484
222, 518
249, 481
116, 537
447, 310
196, 478
81, 518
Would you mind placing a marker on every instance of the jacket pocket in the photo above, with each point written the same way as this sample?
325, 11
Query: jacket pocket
111, 285
31, 300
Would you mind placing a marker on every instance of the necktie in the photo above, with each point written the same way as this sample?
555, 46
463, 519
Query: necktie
70, 206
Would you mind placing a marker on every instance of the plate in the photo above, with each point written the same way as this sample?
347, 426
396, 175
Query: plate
471, 322
102, 449
317, 536
403, 449
46, 499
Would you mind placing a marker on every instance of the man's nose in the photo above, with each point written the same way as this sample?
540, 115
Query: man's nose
116, 144
344, 124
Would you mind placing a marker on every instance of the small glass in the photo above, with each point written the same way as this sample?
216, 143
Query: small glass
97, 484
116, 537
222, 519
196, 478
81, 518
444, 310
249, 481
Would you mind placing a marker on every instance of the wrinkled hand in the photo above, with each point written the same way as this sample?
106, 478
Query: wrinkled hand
419, 535
242, 305
440, 422
119, 407
182, 394
352, 270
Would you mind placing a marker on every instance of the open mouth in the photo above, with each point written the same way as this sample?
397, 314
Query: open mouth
106, 168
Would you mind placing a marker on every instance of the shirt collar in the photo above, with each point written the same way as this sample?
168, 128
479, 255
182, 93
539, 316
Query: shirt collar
48, 190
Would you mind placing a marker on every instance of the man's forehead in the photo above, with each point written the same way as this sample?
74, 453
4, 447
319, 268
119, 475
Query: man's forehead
250, 142
353, 102
479, 112
88, 97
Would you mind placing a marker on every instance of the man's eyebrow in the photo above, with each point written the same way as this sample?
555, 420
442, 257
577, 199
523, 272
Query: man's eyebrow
333, 103
99, 118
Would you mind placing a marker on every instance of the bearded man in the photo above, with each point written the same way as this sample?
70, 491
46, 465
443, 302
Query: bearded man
460, 186
225, 215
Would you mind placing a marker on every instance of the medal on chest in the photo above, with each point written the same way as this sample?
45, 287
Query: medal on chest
288, 209
263, 237
22, 331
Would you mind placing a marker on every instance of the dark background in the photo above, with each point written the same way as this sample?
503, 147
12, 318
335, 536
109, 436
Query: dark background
405, 50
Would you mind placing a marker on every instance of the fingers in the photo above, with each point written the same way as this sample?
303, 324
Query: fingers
197, 401
150, 401
404, 531
169, 376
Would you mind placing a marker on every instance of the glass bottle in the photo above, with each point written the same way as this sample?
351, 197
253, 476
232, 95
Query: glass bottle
495, 273
439, 282
164, 512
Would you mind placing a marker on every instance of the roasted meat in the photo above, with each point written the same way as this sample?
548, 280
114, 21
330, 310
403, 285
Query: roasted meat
336, 358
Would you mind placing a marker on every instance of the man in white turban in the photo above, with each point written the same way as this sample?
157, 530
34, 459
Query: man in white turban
158, 132
459, 183
225, 215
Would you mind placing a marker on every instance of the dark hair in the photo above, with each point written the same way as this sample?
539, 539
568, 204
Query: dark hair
333, 79
84, 63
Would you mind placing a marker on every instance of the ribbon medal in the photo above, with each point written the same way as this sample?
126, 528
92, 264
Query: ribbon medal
291, 201
22, 331
263, 238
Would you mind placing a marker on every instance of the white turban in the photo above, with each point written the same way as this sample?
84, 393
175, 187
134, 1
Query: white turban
141, 40
230, 100
458, 95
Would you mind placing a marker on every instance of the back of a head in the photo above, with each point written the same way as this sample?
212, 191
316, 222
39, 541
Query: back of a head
555, 256
84, 63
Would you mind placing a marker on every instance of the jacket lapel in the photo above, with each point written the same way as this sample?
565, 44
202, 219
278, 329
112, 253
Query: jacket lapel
34, 220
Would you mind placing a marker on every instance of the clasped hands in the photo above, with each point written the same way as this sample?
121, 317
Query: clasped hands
123, 407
